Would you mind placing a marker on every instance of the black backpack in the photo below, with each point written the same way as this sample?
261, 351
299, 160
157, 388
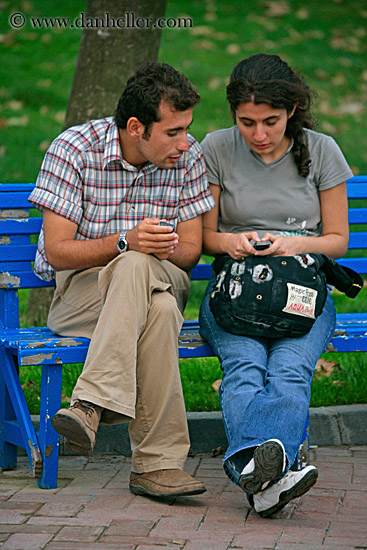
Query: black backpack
275, 296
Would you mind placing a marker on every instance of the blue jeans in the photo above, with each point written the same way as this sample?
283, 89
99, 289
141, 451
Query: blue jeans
266, 386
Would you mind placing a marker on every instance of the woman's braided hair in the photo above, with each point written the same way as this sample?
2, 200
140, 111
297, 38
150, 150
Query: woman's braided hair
264, 78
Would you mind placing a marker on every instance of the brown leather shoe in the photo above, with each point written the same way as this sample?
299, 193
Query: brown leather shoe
79, 426
165, 483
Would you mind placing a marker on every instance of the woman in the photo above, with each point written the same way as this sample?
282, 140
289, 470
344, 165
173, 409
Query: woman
273, 179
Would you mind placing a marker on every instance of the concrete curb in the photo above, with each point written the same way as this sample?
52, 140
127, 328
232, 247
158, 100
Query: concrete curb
329, 426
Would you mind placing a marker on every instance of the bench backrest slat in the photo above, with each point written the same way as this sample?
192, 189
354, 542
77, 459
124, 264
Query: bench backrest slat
22, 226
14, 200
16, 252
357, 240
357, 216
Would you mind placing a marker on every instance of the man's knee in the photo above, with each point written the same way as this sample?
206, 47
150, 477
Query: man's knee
130, 262
164, 307
128, 270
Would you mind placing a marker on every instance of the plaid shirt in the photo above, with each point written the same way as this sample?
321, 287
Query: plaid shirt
84, 178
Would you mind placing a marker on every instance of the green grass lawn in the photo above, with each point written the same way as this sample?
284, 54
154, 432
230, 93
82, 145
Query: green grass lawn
326, 41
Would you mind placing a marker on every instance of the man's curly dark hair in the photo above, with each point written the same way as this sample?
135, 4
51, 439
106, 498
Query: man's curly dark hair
144, 91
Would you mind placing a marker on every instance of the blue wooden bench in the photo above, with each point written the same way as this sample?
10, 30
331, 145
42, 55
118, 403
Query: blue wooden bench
40, 346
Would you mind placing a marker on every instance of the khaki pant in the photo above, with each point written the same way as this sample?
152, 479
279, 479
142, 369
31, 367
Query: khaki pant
132, 311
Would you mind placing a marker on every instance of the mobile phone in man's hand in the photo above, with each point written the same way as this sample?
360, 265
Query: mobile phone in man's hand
168, 224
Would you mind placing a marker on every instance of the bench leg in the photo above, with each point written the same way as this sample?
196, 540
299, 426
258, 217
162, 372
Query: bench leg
8, 451
48, 438
17, 429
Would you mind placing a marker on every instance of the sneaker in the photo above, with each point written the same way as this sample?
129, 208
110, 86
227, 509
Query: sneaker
165, 483
79, 426
290, 486
267, 464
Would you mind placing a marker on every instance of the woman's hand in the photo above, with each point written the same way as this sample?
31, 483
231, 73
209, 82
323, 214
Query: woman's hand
281, 246
238, 244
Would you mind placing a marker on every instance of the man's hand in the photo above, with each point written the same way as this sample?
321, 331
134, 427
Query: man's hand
151, 238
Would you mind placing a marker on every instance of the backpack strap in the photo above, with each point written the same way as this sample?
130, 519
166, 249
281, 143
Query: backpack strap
343, 278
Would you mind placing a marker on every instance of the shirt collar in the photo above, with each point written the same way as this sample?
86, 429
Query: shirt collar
112, 152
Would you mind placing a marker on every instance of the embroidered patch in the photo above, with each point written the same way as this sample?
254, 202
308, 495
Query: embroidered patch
305, 260
301, 301
219, 283
238, 268
235, 288
262, 273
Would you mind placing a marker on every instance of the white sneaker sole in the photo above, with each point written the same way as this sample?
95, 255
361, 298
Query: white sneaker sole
269, 459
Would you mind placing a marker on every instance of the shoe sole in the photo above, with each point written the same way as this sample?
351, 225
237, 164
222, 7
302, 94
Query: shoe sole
296, 491
269, 465
76, 438
138, 490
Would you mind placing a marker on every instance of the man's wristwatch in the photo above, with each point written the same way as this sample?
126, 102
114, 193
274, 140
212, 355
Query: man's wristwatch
122, 242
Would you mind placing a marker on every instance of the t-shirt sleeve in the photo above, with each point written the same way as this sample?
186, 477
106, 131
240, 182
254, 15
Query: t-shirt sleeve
211, 159
195, 196
332, 167
58, 184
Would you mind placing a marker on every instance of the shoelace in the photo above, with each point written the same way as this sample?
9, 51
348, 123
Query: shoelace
87, 408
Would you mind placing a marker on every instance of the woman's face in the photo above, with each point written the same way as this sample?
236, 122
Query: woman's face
263, 129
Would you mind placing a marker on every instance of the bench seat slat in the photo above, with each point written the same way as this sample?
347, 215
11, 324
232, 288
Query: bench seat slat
42, 346
348, 344
22, 279
31, 342
28, 279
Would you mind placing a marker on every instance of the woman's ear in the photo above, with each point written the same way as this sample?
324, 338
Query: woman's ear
293, 110
134, 127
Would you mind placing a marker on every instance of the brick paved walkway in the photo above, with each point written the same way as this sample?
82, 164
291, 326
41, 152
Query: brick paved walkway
93, 509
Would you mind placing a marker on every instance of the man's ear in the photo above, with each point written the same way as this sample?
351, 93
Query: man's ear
134, 127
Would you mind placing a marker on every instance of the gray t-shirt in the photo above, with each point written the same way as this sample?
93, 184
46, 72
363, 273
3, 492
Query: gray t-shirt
256, 196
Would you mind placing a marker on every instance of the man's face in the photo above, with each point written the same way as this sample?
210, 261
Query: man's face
168, 137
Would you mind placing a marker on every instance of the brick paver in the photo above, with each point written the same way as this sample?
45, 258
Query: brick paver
93, 509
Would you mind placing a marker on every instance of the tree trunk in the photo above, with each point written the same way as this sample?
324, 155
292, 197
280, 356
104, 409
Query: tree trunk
108, 56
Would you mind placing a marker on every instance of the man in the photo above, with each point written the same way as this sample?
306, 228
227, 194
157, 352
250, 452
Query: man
122, 201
